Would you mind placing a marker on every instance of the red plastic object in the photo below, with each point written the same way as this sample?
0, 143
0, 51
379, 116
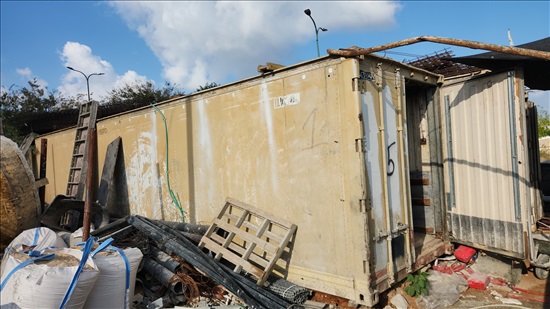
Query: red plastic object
457, 266
443, 268
478, 281
464, 254
499, 281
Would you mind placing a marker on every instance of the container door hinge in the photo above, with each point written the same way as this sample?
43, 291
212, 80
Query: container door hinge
358, 84
360, 145
400, 229
381, 235
365, 205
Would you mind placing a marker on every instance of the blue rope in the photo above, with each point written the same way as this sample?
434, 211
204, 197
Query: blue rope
102, 247
85, 254
127, 263
27, 262
35, 237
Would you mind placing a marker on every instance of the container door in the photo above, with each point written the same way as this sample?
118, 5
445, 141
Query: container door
387, 174
484, 173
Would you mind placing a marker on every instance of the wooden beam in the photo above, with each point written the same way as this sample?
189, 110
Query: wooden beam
355, 51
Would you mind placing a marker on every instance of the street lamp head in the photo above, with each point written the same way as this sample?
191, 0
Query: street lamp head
87, 79
323, 29
308, 12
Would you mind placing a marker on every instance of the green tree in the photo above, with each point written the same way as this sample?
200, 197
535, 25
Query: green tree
141, 94
207, 86
23, 107
544, 124
19, 105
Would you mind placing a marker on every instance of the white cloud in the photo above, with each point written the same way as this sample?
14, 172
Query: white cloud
26, 74
199, 42
80, 57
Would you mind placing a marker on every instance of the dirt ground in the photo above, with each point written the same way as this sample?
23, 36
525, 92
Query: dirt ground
488, 298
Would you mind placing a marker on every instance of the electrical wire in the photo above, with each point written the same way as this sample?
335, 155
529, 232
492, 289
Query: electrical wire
172, 195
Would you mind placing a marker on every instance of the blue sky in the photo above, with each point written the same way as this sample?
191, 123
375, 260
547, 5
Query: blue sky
191, 43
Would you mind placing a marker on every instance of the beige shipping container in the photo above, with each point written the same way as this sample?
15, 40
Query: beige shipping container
345, 148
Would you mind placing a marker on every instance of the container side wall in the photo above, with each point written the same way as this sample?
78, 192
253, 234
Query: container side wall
289, 143
284, 143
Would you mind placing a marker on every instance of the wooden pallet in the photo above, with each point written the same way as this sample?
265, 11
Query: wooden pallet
249, 238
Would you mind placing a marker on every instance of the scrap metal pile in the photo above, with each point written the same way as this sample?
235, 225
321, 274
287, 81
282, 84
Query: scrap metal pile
174, 270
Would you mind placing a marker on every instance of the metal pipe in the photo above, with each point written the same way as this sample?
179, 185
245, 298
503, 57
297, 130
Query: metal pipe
111, 227
450, 158
164, 259
351, 52
513, 144
89, 184
382, 143
195, 238
118, 234
186, 227
162, 275
171, 240
406, 198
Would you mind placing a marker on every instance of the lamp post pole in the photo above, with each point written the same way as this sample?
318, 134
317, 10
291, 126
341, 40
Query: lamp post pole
308, 13
87, 79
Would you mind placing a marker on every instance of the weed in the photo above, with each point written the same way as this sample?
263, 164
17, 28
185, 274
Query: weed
418, 284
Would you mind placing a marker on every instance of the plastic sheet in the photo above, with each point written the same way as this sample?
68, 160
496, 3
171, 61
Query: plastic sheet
444, 291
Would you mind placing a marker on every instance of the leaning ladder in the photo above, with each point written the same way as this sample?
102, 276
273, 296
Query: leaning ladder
87, 115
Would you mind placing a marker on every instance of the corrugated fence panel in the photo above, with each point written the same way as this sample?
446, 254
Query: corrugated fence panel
484, 210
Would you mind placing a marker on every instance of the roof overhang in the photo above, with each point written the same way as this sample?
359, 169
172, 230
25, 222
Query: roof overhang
536, 70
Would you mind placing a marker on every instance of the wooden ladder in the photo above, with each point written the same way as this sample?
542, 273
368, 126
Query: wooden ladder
87, 116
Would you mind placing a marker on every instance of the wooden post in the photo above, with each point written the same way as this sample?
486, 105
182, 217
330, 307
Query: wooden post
92, 140
43, 157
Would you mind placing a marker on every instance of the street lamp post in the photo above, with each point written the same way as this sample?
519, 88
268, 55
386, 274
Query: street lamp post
308, 13
87, 79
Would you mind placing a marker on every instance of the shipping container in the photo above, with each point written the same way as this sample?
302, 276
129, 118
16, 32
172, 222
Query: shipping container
348, 149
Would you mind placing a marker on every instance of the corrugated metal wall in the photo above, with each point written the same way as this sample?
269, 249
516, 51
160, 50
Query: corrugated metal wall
483, 150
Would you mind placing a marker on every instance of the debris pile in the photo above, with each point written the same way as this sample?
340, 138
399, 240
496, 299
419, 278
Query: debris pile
451, 276
143, 263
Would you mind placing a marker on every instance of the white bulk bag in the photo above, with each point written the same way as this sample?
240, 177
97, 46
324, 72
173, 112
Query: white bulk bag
76, 236
40, 237
115, 285
48, 284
